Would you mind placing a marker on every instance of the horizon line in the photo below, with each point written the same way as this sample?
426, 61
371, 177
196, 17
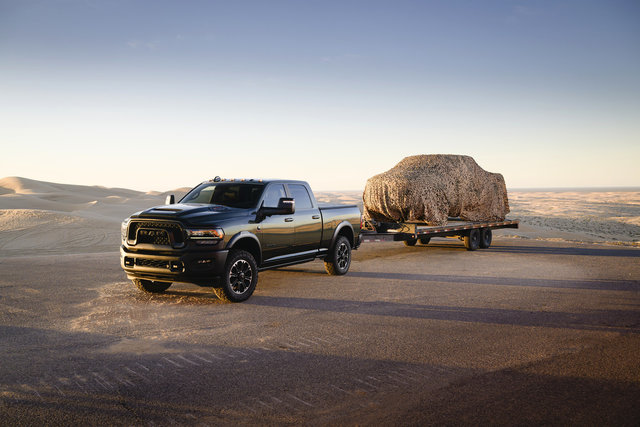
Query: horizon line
532, 188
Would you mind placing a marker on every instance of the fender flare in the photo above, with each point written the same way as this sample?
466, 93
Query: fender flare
337, 231
246, 235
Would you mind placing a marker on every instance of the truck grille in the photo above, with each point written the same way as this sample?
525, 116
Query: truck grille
160, 233
154, 236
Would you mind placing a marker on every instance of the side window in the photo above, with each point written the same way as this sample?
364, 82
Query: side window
273, 194
301, 196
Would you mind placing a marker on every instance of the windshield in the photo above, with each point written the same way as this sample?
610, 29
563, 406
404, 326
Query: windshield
232, 194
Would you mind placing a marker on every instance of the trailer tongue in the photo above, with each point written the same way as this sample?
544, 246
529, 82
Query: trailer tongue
474, 234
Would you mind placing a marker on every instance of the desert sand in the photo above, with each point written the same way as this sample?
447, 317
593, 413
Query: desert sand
39, 217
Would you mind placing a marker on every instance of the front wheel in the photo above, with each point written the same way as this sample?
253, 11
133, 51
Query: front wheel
150, 286
240, 277
338, 261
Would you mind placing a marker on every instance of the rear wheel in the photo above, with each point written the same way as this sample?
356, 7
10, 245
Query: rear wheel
485, 238
410, 242
425, 240
338, 261
472, 240
240, 277
151, 286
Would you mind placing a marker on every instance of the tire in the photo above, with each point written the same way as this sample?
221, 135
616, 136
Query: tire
338, 261
239, 278
472, 240
424, 240
485, 238
150, 286
410, 242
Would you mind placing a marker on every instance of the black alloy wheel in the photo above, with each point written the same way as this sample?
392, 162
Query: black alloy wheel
240, 276
338, 261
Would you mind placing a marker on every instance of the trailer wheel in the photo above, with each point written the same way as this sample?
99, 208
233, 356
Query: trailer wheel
410, 242
150, 286
338, 261
472, 240
240, 277
485, 238
425, 240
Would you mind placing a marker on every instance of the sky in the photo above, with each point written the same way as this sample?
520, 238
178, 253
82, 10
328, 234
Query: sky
156, 95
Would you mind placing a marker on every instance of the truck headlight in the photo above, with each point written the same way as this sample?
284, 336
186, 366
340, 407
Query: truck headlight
205, 235
124, 229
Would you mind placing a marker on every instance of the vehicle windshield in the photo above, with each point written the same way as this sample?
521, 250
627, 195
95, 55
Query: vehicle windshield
232, 194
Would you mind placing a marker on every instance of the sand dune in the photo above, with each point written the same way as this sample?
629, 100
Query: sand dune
21, 185
112, 204
45, 217
38, 217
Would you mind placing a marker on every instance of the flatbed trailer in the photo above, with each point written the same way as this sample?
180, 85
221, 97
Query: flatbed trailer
474, 234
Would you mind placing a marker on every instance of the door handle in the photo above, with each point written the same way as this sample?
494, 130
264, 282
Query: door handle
288, 220
315, 217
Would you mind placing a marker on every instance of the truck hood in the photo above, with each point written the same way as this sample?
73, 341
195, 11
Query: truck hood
192, 213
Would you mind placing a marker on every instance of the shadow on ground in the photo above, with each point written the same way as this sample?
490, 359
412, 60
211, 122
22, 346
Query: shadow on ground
594, 320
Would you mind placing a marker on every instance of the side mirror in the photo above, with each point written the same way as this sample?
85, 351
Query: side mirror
286, 206
170, 200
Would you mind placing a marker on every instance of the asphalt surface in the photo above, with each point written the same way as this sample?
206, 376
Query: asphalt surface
524, 333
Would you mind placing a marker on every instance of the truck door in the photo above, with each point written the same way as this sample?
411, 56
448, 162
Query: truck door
307, 220
277, 230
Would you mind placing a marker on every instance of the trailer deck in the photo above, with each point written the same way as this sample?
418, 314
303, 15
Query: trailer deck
474, 234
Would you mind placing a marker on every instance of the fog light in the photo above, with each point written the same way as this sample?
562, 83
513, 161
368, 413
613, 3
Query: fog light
128, 262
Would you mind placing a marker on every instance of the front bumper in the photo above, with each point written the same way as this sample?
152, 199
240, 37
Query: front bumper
197, 267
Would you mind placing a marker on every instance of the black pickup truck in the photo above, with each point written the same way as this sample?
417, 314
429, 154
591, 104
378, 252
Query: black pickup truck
223, 232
